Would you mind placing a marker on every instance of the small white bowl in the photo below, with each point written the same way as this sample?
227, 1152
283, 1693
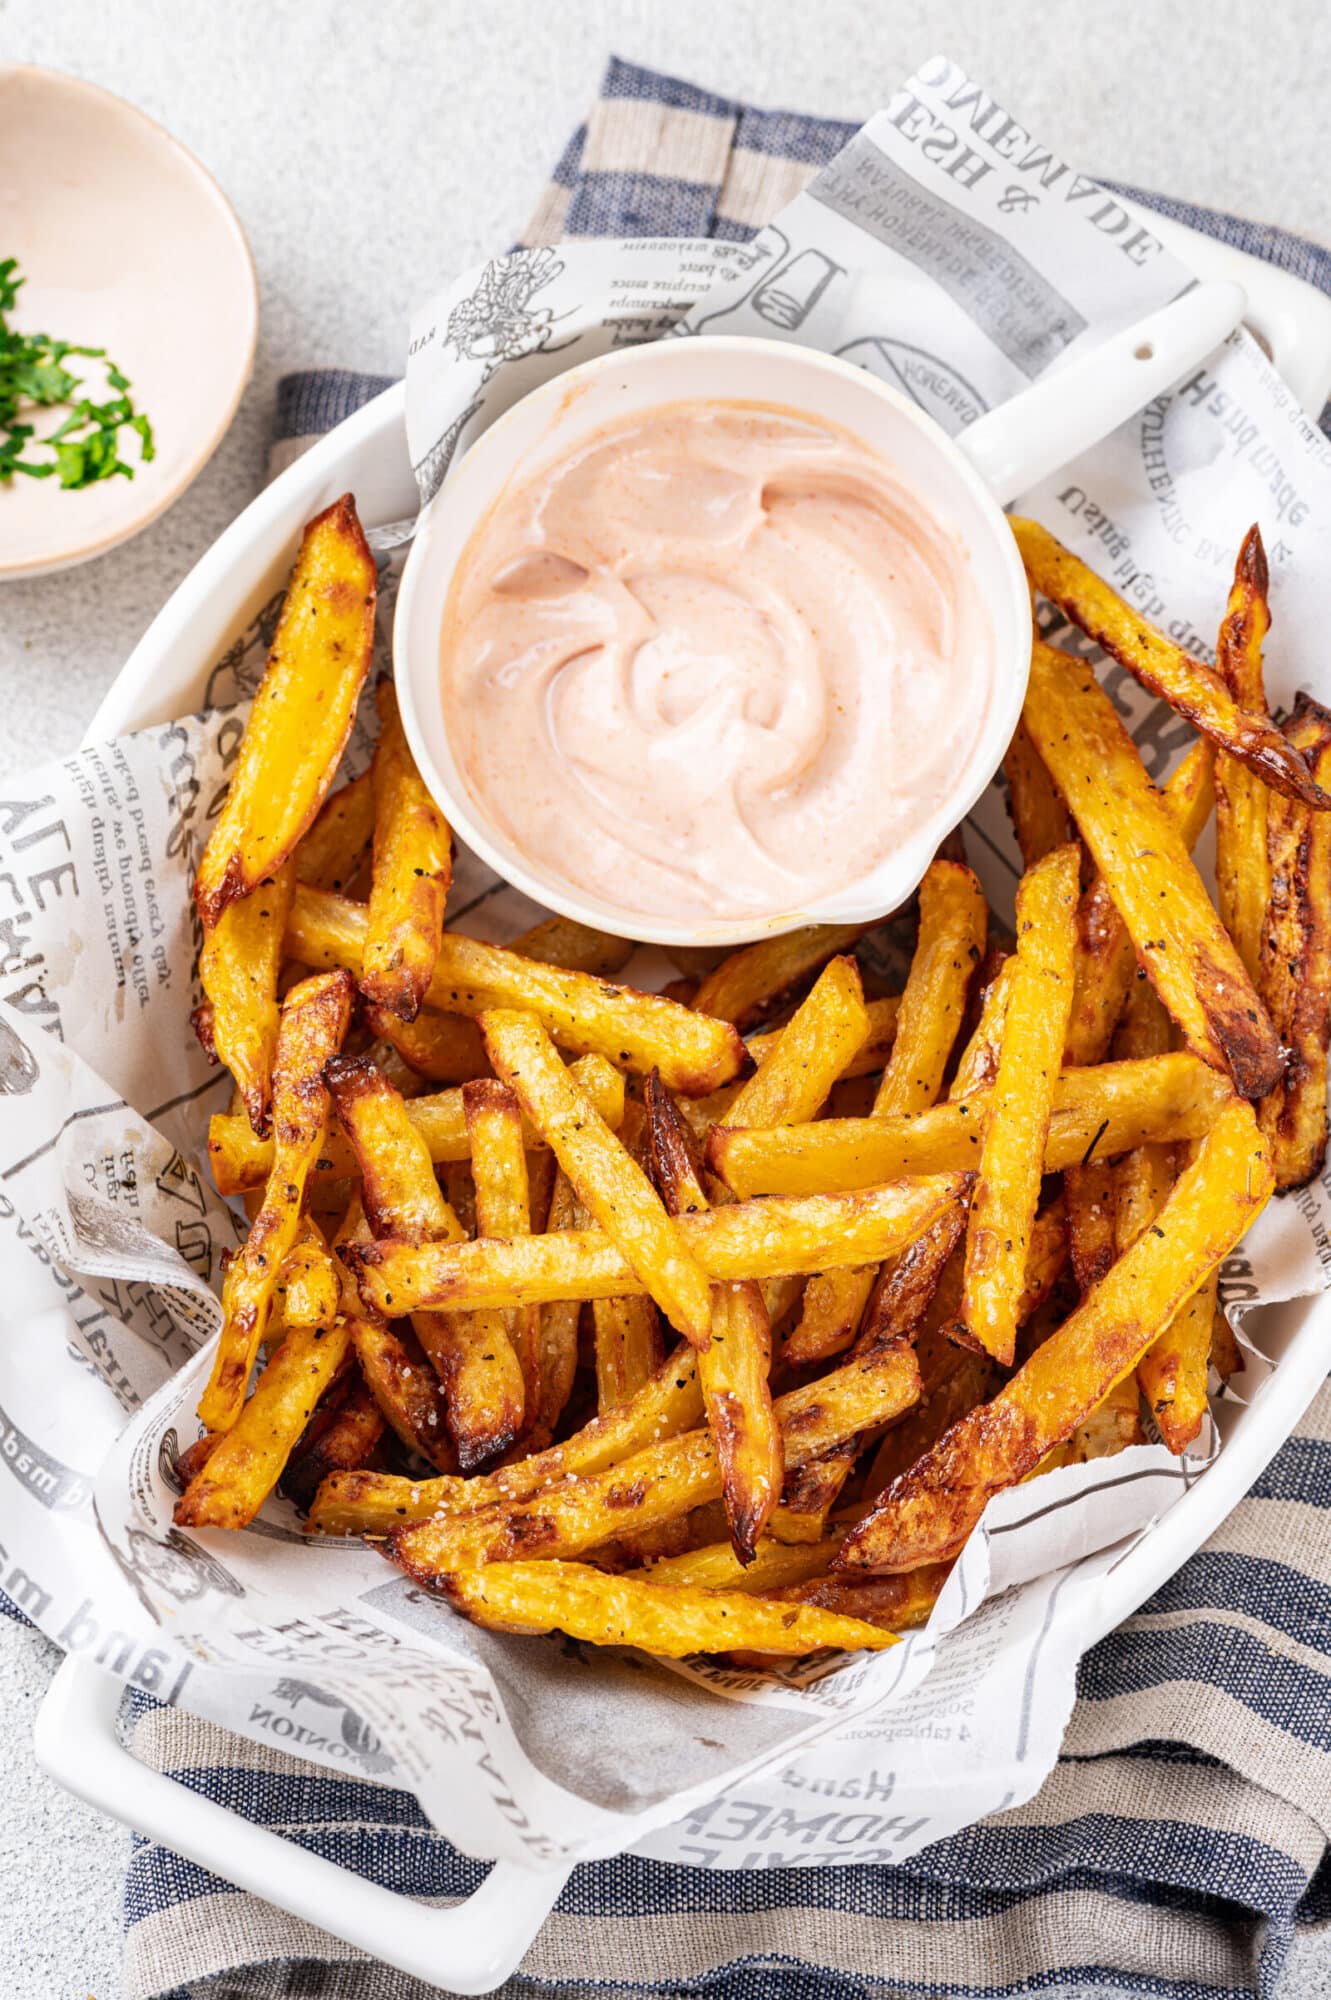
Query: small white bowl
125, 243
553, 420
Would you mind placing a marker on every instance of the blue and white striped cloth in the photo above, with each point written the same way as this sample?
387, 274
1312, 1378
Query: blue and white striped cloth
1181, 1845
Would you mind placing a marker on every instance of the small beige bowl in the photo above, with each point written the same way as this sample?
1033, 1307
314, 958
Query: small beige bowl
127, 244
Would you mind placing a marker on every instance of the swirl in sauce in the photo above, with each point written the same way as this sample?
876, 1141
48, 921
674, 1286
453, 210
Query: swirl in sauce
714, 663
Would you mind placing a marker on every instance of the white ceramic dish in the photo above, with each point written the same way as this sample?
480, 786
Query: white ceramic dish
962, 482
126, 243
474, 1946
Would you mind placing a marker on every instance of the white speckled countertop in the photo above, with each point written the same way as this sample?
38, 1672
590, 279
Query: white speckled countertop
371, 147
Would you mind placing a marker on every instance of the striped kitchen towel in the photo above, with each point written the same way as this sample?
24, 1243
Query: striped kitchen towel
1179, 1849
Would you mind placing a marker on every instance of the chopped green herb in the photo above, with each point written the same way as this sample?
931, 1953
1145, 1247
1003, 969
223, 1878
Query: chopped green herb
86, 446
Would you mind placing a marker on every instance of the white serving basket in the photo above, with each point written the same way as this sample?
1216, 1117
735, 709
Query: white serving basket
472, 1947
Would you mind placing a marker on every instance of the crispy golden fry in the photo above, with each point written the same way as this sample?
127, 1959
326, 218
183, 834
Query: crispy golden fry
372, 1503
406, 1388
1036, 806
606, 1610
1193, 689
558, 1332
927, 1513
810, 1493
314, 1020
735, 1366
308, 1292
302, 713
816, 1046
344, 1432
503, 1201
766, 1239
637, 1031
413, 867
196, 1455
1182, 944
628, 1347
950, 946
606, 1179
1091, 1194
247, 1462
866, 1061
332, 851
953, 920
471, 1353
1106, 961
561, 941
1296, 962
969, 1380
901, 1295
774, 1565
445, 1047
749, 983
1172, 1373
239, 965
1106, 1109
240, 1160
896, 1602
1242, 875
657, 1484
977, 1065
1021, 1102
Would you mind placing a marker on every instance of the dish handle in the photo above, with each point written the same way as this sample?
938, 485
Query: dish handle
471, 1947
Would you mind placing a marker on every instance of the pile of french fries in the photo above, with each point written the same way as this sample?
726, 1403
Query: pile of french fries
594, 1315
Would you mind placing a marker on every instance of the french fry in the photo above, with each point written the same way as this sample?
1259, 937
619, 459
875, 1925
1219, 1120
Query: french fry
373, 1503
1172, 1374
1038, 812
332, 851
866, 1061
1242, 874
1092, 1201
767, 1239
238, 966
1181, 943
406, 1388
308, 1292
1102, 1110
735, 1366
413, 866
606, 1610
247, 1462
628, 1347
558, 1332
343, 1433
314, 1020
657, 1484
953, 919
977, 1065
905, 1287
929, 1510
1226, 1354
302, 713
817, 1045
503, 1201
1021, 1102
749, 983
637, 1031
899, 1603
1191, 688
445, 1047
575, 947
1106, 961
773, 1566
1296, 962
240, 1160
607, 1181
810, 1493
471, 1352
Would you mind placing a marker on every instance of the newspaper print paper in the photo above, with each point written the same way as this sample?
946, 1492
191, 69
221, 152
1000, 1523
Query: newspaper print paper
950, 252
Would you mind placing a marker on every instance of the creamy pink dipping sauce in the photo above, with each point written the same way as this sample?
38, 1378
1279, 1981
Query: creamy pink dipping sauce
715, 663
